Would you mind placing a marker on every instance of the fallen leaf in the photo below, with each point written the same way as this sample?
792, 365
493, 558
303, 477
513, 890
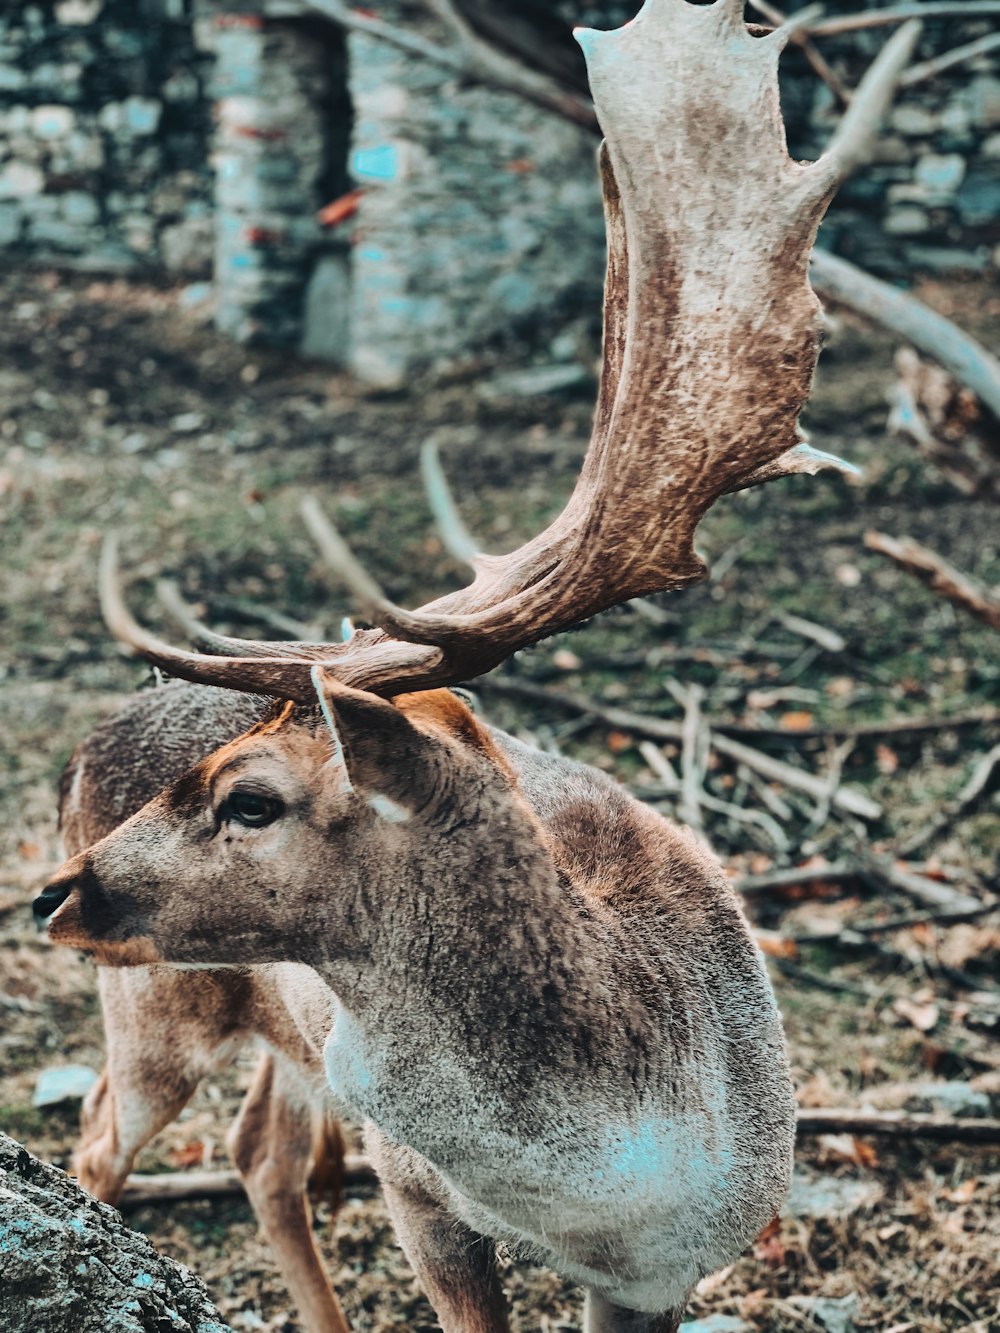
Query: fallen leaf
769, 1248
798, 720
964, 1192
775, 945
924, 1017
188, 1154
566, 660
886, 760
619, 741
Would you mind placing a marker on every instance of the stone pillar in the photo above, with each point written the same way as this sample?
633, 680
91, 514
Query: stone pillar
480, 218
281, 128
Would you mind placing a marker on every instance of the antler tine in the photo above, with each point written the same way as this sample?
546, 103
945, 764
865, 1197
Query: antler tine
207, 640
852, 142
457, 540
369, 660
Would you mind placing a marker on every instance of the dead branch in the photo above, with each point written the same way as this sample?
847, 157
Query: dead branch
878, 18
808, 629
931, 892
474, 59
928, 331
176, 1186
694, 742
662, 729
897, 1125
941, 577
865, 930
930, 69
954, 809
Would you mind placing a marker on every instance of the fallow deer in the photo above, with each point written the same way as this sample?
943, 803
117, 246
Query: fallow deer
550, 1012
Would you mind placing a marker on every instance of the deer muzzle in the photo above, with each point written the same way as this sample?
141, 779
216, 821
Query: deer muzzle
75, 909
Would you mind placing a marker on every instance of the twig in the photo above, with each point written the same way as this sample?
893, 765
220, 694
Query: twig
776, 881
740, 815
897, 1125
952, 810
693, 750
878, 18
894, 923
930, 69
800, 38
928, 891
661, 766
175, 1186
931, 333
810, 978
838, 757
662, 729
941, 577
808, 629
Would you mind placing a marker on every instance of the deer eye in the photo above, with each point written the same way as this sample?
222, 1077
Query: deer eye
251, 808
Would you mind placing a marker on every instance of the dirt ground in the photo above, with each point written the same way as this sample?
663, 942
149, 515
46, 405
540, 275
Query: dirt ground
118, 409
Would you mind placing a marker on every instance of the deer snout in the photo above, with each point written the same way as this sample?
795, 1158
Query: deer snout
75, 908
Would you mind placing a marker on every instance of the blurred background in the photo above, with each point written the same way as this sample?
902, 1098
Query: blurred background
253, 252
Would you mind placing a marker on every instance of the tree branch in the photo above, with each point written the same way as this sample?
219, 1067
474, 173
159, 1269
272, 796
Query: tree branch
943, 579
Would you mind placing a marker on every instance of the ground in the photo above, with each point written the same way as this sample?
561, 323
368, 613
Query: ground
118, 409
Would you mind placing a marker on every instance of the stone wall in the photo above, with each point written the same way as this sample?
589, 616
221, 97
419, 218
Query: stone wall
104, 134
480, 217
206, 136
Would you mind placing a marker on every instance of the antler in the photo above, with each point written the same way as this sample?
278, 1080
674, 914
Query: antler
711, 341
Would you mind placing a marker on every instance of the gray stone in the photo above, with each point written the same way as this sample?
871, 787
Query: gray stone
12, 79
990, 147
80, 208
948, 258
11, 224
982, 97
537, 382
326, 330
913, 121
827, 1197
20, 180
52, 121
906, 220
70, 1083
954, 1098
834, 1315
71, 1263
978, 201
187, 246
940, 173
141, 115
78, 13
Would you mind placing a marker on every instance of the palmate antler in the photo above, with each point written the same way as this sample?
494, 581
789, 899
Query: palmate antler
711, 341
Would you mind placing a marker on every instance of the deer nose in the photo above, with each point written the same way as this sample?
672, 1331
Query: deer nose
51, 897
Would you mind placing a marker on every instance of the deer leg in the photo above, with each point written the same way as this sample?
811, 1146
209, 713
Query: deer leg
271, 1142
120, 1114
602, 1317
456, 1267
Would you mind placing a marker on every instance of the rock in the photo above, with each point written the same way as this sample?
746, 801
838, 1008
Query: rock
11, 221
826, 1197
906, 220
78, 13
940, 173
69, 1264
19, 180
982, 97
537, 382
141, 115
71, 1083
187, 423
914, 121
955, 1098
833, 1315
978, 201
52, 122
80, 208
948, 259
326, 332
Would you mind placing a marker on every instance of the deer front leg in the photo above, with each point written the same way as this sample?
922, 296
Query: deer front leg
271, 1142
120, 1114
603, 1317
455, 1266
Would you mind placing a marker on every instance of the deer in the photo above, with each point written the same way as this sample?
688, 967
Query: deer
549, 1011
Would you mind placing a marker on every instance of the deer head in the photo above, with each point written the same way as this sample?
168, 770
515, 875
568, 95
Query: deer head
291, 842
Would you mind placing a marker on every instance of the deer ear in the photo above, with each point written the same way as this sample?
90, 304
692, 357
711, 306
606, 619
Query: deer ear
381, 752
